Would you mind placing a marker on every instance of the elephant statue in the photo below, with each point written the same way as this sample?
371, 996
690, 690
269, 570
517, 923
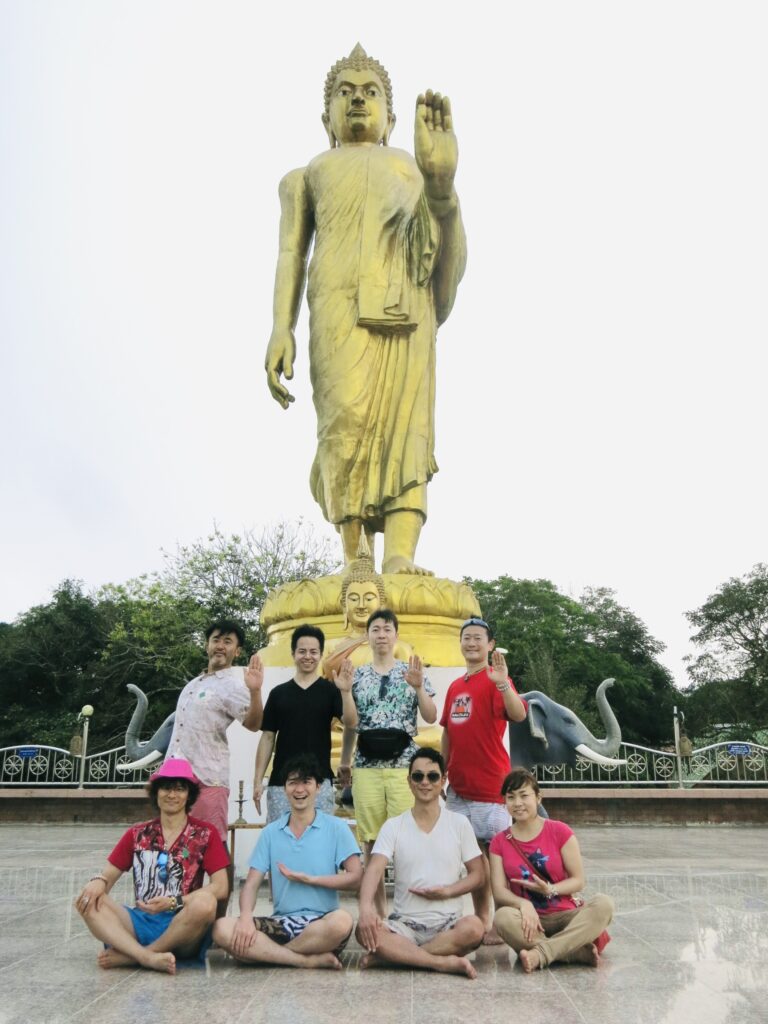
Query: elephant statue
553, 734
143, 754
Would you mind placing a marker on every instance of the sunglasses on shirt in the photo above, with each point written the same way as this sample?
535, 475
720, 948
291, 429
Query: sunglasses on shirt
430, 776
162, 866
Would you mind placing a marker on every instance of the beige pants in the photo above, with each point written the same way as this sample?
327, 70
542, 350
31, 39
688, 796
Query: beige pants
566, 930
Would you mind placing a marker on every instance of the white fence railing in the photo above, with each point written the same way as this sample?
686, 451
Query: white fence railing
719, 764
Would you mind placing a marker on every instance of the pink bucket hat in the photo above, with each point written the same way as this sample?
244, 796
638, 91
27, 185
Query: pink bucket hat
175, 768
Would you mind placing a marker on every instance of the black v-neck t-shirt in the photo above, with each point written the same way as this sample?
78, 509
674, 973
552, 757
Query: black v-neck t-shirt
302, 721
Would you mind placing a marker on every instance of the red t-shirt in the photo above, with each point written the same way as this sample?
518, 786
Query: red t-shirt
476, 721
544, 854
197, 851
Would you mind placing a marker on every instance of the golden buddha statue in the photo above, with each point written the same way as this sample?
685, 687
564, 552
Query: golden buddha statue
388, 253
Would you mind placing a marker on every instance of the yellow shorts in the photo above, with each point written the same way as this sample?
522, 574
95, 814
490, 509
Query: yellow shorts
378, 794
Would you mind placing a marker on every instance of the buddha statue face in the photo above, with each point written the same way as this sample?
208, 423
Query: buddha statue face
362, 599
357, 108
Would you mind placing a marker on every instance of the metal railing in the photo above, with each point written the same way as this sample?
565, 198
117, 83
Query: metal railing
719, 764
40, 765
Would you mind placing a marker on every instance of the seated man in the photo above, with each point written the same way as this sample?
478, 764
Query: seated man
311, 857
428, 845
169, 857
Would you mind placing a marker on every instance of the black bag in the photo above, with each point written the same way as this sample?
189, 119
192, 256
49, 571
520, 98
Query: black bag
382, 744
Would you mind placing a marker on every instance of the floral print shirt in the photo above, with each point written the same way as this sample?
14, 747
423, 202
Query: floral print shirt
397, 708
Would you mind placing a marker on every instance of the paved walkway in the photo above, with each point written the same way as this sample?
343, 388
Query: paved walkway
690, 944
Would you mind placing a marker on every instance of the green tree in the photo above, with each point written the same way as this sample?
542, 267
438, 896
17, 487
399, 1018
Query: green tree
730, 675
566, 647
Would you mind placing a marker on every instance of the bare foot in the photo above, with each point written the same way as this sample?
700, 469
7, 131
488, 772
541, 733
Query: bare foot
530, 959
108, 958
492, 938
456, 965
399, 563
326, 960
163, 962
584, 955
370, 960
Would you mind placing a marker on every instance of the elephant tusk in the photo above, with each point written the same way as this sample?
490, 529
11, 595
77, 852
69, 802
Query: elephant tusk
591, 755
150, 758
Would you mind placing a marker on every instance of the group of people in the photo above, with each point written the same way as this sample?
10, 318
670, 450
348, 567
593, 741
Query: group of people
451, 822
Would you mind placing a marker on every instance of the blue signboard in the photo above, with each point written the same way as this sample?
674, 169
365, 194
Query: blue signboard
740, 749
28, 751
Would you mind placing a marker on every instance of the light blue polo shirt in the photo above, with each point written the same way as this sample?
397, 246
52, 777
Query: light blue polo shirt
321, 850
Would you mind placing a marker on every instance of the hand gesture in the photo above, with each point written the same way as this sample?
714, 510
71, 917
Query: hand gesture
535, 884
431, 892
243, 935
156, 905
258, 793
415, 673
498, 671
91, 896
345, 676
368, 924
254, 674
281, 352
437, 152
531, 923
295, 876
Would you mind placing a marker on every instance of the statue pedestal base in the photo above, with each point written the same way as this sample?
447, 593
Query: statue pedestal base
430, 611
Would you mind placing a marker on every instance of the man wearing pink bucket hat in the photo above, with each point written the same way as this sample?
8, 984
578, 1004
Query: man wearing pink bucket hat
169, 857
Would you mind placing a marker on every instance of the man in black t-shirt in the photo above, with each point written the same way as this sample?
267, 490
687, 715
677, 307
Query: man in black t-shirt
297, 720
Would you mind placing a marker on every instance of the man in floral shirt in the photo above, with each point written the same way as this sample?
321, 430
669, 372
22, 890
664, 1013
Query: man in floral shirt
389, 695
169, 856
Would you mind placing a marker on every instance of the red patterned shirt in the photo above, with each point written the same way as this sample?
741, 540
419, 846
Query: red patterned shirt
197, 851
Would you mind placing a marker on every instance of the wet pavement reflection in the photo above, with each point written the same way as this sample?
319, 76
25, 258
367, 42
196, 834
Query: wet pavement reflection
689, 944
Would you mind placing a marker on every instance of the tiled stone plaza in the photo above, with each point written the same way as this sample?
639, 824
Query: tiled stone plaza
690, 944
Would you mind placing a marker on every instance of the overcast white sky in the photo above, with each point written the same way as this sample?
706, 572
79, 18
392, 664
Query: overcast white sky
601, 381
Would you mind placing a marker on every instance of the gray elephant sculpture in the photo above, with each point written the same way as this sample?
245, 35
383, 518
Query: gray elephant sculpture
154, 749
553, 734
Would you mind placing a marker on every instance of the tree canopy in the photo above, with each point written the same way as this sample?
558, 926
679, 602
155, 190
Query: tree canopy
566, 647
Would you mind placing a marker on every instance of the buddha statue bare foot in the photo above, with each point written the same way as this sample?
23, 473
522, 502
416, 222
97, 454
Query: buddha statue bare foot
399, 563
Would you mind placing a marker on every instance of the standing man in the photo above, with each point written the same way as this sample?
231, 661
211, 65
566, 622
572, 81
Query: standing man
477, 708
311, 857
389, 695
206, 708
297, 720
429, 846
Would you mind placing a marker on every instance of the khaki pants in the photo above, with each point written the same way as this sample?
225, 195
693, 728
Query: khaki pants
566, 930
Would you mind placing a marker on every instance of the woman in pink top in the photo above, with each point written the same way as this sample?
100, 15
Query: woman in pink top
536, 874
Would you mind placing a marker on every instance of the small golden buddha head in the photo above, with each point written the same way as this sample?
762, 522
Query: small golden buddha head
362, 590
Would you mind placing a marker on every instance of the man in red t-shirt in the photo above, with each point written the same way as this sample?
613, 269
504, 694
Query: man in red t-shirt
477, 708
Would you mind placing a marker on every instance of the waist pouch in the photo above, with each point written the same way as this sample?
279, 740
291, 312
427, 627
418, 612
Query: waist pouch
382, 744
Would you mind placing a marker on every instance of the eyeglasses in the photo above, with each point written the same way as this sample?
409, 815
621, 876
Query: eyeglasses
383, 686
295, 781
173, 785
162, 866
432, 777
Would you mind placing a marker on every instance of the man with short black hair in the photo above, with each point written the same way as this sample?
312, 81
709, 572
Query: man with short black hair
297, 719
311, 857
430, 846
206, 708
477, 709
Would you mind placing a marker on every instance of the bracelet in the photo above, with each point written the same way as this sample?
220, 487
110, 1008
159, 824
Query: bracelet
505, 688
172, 907
98, 878
552, 893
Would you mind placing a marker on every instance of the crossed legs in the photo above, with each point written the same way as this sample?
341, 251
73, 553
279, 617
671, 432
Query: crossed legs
445, 953
312, 948
112, 925
569, 936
